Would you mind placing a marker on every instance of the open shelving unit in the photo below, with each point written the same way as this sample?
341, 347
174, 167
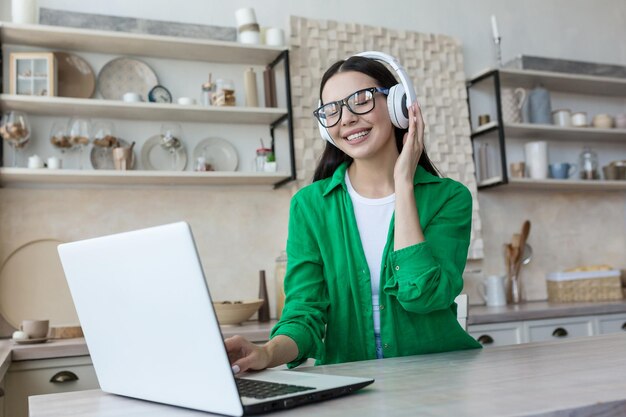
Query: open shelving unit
498, 131
166, 47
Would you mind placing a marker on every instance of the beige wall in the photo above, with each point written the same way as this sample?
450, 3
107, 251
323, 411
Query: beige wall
569, 229
238, 231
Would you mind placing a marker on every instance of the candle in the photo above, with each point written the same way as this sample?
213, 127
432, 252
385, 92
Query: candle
494, 27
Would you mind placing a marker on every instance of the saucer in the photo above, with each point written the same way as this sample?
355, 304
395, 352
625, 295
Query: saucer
30, 341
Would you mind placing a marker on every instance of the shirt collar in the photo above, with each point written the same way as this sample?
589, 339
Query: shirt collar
338, 179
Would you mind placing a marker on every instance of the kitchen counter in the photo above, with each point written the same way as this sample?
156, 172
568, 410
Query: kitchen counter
582, 377
259, 332
537, 310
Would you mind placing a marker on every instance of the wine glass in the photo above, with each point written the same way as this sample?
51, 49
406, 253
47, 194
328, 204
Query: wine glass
15, 129
58, 136
104, 134
79, 133
171, 139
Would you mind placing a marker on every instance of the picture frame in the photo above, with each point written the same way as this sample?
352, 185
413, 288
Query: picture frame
33, 73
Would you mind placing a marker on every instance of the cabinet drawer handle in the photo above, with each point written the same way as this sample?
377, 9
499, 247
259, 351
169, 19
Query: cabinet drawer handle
485, 339
559, 332
63, 376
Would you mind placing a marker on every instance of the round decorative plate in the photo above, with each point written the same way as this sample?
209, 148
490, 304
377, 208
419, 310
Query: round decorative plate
102, 157
218, 152
156, 157
75, 78
126, 75
33, 286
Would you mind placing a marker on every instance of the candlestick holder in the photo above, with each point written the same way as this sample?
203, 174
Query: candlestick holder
497, 41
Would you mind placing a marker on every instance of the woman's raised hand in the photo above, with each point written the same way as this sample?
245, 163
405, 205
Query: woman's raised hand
413, 147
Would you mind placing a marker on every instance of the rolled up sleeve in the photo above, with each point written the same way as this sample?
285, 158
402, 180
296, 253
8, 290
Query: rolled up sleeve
428, 276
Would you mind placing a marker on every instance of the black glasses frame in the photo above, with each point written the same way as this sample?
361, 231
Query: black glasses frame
344, 102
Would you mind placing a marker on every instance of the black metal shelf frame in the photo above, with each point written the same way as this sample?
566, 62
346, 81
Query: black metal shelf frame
495, 75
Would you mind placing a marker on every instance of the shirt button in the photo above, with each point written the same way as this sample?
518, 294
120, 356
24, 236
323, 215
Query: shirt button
397, 267
382, 307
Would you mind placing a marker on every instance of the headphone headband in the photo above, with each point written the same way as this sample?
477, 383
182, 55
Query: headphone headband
400, 96
409, 90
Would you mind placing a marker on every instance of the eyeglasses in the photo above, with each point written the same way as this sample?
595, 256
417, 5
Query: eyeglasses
361, 102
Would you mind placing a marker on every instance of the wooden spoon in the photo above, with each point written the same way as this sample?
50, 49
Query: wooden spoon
522, 245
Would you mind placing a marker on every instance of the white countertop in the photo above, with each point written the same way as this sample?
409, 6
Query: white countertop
553, 379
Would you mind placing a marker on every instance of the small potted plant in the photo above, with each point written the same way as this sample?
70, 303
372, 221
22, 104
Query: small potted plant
270, 163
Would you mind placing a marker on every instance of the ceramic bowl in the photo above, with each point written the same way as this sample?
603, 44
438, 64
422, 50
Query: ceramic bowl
602, 121
235, 312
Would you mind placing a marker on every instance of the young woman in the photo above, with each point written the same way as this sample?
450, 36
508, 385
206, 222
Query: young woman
377, 244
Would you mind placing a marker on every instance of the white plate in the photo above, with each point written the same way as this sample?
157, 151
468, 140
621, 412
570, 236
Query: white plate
156, 157
125, 75
102, 157
218, 152
33, 285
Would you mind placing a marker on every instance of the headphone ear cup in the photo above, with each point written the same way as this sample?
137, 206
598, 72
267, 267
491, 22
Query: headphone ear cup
324, 134
396, 105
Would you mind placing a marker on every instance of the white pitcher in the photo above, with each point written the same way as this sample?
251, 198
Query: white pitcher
512, 101
491, 289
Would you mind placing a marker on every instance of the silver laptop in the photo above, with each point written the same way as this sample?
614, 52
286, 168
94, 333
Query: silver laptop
152, 333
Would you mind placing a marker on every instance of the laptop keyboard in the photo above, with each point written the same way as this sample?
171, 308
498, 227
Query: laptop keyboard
264, 389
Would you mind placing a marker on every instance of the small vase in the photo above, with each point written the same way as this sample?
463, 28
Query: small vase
264, 311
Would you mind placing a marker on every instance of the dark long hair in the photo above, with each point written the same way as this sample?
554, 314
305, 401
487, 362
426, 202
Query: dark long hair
333, 156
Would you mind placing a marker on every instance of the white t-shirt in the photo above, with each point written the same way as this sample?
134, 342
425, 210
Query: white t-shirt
373, 216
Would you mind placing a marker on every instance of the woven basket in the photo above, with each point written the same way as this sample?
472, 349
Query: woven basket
608, 288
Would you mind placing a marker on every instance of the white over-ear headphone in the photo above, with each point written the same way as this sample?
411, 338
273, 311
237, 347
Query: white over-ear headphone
400, 96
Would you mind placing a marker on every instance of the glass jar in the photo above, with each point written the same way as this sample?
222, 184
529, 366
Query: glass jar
224, 94
261, 158
588, 164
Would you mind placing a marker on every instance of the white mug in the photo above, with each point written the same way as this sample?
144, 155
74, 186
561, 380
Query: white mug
24, 11
537, 159
562, 117
274, 37
186, 101
492, 290
579, 119
35, 161
131, 97
54, 162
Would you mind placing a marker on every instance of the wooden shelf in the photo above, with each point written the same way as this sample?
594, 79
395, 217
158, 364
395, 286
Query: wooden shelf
559, 81
114, 109
15, 176
121, 43
551, 132
566, 185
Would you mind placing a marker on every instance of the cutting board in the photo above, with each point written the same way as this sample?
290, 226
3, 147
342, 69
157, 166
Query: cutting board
33, 286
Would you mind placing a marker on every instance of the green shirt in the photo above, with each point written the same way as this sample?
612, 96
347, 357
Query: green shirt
328, 306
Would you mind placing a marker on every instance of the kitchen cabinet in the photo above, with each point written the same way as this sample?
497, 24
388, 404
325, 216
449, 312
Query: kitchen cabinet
542, 330
506, 140
614, 323
524, 331
45, 376
498, 334
163, 48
